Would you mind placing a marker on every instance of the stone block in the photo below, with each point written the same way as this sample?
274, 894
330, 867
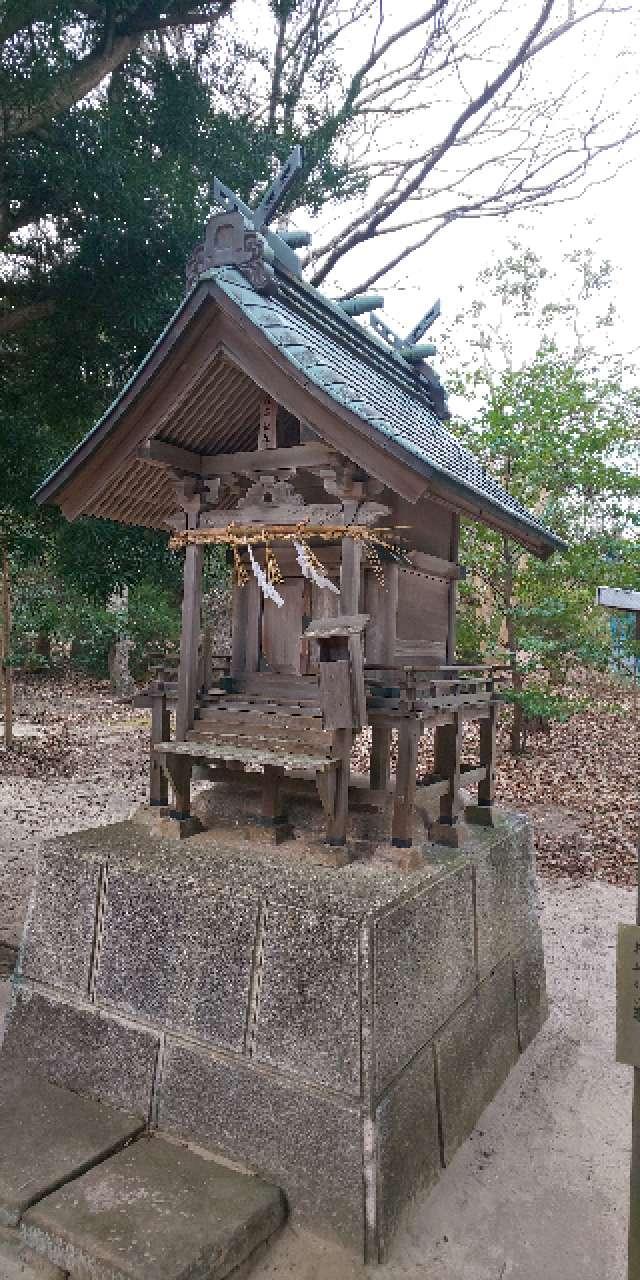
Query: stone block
423, 968
474, 1055
18, 1262
178, 951
48, 1136
309, 1011
306, 1141
81, 1049
59, 934
407, 1143
155, 1212
532, 1006
506, 893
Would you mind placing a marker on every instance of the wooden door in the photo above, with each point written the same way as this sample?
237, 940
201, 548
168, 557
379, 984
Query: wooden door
282, 647
423, 618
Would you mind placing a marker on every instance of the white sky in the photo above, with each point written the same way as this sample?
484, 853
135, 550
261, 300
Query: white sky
602, 61
605, 218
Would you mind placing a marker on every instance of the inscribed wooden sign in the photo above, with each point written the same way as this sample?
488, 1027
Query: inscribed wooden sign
628, 995
267, 431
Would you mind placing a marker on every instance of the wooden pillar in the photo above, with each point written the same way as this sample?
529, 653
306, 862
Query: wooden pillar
452, 593
382, 607
160, 732
405, 793
350, 574
180, 772
274, 817
189, 639
246, 613
448, 757
488, 728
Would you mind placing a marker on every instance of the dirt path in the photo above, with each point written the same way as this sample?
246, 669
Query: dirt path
83, 762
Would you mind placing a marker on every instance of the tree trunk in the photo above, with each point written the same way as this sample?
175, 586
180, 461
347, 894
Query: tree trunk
6, 651
42, 645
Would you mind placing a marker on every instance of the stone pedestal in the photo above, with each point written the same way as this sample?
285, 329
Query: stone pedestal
337, 1030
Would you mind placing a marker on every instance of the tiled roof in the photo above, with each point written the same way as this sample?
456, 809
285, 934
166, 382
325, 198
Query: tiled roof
359, 372
352, 366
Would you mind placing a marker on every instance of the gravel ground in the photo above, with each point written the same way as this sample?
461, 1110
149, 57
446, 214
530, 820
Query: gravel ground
81, 760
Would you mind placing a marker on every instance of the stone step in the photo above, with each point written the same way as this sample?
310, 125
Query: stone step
18, 1262
155, 1211
49, 1135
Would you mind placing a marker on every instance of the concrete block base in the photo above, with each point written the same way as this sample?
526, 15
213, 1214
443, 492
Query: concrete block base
336, 1030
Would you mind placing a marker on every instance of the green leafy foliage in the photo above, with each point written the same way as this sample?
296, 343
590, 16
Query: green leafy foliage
561, 431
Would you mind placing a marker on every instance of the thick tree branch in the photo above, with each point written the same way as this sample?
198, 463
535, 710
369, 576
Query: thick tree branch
11, 321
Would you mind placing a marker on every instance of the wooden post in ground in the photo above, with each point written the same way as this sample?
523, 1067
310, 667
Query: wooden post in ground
488, 729
7, 672
350, 575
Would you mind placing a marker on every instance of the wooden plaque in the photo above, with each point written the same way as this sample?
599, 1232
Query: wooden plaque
628, 995
268, 430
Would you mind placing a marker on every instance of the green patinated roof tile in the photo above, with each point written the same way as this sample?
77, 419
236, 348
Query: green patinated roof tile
349, 363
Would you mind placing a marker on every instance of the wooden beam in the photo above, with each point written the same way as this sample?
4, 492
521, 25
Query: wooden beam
249, 462
163, 454
260, 460
434, 566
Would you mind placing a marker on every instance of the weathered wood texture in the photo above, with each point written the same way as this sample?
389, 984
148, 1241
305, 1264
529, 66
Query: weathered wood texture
189, 640
405, 793
160, 731
282, 629
423, 618
335, 693
447, 761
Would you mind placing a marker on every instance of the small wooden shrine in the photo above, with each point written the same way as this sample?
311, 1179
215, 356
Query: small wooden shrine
268, 419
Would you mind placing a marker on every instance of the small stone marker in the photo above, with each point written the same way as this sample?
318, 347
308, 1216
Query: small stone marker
628, 995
